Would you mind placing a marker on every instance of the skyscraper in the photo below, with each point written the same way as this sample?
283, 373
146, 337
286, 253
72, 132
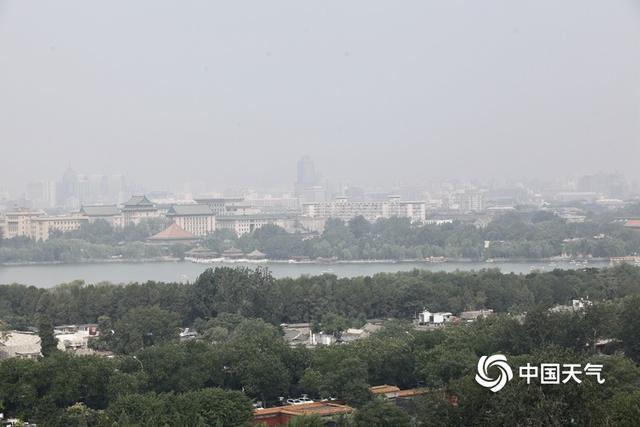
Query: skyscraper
308, 186
307, 177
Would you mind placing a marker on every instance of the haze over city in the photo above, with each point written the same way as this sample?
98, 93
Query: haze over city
233, 94
318, 214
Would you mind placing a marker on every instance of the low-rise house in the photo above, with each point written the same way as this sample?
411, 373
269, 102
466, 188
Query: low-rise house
281, 415
426, 317
10, 422
23, 345
297, 334
576, 305
473, 315
391, 392
301, 334
75, 338
321, 338
633, 224
187, 334
385, 390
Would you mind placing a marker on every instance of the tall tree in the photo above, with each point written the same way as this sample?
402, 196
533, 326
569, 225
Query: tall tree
380, 413
48, 342
630, 320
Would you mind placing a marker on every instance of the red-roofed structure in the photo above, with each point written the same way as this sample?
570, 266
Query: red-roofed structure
173, 234
281, 415
632, 223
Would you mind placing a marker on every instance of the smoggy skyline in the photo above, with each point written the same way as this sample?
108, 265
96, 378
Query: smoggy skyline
233, 94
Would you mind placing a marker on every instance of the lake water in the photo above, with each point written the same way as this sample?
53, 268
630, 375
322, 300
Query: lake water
184, 271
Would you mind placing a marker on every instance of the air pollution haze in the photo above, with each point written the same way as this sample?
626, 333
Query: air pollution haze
233, 93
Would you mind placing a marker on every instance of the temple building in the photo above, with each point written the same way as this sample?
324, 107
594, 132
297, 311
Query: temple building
138, 208
173, 234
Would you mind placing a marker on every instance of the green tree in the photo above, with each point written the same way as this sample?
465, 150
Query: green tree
623, 409
334, 324
630, 321
348, 381
306, 421
380, 413
48, 342
143, 327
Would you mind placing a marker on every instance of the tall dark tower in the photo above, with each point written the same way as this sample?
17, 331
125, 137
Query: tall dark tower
307, 176
68, 187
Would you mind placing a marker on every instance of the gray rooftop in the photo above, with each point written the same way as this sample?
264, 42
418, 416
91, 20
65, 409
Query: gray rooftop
101, 210
190, 210
139, 201
257, 216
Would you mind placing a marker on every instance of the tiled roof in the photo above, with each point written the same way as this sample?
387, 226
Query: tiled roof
173, 232
257, 216
138, 201
256, 254
232, 251
412, 392
100, 210
385, 388
20, 343
633, 223
319, 408
190, 210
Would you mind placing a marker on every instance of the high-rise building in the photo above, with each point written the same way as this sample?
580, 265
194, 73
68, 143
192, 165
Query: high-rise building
608, 185
42, 194
68, 190
468, 201
75, 190
308, 183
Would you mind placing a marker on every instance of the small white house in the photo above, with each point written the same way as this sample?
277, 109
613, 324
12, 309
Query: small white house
426, 317
580, 304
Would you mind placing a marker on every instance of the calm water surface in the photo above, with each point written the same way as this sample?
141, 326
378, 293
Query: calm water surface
184, 271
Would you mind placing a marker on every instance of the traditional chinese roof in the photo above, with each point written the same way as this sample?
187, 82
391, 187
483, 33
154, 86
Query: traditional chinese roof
255, 254
100, 210
633, 223
173, 233
189, 210
139, 202
202, 253
232, 252
322, 409
383, 389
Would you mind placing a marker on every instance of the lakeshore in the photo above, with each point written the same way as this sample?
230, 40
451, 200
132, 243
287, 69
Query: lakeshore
166, 270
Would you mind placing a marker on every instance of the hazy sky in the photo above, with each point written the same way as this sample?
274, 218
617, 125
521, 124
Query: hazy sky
234, 92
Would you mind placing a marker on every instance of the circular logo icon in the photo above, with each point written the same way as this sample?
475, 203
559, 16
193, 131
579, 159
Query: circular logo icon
500, 362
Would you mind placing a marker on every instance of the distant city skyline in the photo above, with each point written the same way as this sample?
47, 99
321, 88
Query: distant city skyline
73, 189
231, 95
